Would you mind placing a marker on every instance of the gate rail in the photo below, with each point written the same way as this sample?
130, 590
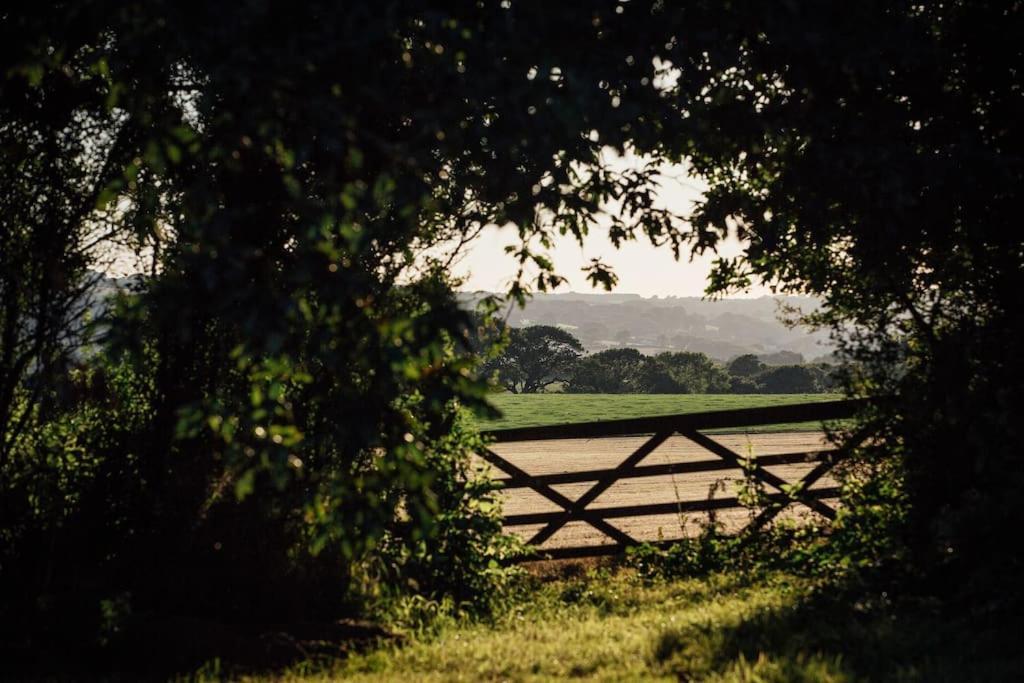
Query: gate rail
661, 428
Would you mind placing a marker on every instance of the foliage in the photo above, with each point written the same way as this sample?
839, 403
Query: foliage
613, 371
746, 365
61, 147
297, 343
743, 385
750, 375
837, 141
693, 373
297, 180
465, 558
535, 358
788, 379
300, 347
627, 371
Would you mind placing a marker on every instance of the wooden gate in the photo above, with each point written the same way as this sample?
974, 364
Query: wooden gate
691, 426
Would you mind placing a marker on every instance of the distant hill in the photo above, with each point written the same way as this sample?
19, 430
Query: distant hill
722, 329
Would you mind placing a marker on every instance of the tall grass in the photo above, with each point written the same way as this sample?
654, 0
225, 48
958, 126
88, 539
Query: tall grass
765, 627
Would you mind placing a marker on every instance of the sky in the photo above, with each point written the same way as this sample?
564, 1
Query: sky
642, 268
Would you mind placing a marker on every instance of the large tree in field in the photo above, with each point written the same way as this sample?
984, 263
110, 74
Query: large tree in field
535, 358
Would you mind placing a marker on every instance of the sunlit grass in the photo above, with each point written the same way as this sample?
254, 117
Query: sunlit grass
774, 627
608, 627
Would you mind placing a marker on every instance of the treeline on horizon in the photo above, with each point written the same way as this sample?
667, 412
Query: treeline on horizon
539, 358
721, 328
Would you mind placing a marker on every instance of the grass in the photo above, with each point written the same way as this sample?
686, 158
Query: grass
615, 627
532, 410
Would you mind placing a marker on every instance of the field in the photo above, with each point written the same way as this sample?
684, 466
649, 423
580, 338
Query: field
531, 410
615, 626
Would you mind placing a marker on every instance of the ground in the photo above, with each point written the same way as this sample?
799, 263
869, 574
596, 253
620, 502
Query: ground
614, 625
530, 410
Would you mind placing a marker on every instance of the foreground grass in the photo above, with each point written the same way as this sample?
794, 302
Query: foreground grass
532, 410
775, 627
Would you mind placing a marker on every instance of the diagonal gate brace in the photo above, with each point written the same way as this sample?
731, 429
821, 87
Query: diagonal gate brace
576, 510
555, 497
760, 473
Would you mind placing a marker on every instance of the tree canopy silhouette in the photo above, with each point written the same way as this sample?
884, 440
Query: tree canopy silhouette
277, 404
536, 357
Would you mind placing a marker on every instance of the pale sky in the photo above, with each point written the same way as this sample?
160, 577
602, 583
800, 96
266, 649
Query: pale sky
642, 268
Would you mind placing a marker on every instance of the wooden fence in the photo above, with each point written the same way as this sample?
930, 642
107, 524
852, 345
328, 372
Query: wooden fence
660, 429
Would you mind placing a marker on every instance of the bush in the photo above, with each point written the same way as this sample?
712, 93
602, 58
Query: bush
465, 557
89, 540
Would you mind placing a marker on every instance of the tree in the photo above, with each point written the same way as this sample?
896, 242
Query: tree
613, 371
300, 180
746, 365
869, 155
655, 378
535, 358
745, 385
692, 373
62, 152
626, 370
788, 379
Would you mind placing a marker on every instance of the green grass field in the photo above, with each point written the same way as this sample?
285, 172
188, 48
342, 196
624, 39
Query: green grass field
532, 410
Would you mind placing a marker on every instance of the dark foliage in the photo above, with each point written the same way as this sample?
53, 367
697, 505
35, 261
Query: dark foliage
615, 371
627, 371
270, 408
691, 373
788, 379
748, 375
870, 154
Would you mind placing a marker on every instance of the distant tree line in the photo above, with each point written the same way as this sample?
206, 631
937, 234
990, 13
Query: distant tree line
540, 356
